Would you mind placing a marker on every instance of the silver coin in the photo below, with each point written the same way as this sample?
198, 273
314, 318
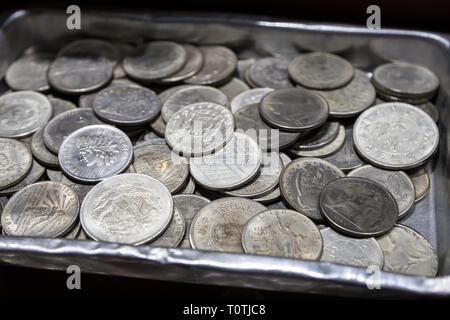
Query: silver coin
396, 182
301, 182
233, 88
36, 172
158, 126
325, 42
249, 121
54, 175
243, 65
166, 94
352, 99
282, 233
253, 96
22, 113
40, 151
73, 234
358, 207
126, 105
350, 251
219, 64
407, 252
191, 95
320, 70
189, 188
174, 234
413, 101
430, 110
218, 226
82, 235
294, 109
229, 168
60, 105
155, 60
43, 209
200, 128
395, 136
319, 137
194, 62
128, 208
327, 150
270, 73
29, 73
158, 161
60, 127
15, 162
421, 180
80, 189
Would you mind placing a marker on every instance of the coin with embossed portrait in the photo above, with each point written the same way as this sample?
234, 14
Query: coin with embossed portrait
270, 73
29, 72
174, 234
15, 162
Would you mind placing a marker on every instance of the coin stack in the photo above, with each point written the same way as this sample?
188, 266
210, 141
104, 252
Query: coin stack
175, 145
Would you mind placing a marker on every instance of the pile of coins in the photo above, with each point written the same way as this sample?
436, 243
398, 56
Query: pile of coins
168, 144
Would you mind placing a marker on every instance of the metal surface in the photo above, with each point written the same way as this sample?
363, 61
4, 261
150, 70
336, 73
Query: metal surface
430, 216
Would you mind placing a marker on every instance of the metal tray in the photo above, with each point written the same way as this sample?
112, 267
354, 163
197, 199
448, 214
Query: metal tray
249, 36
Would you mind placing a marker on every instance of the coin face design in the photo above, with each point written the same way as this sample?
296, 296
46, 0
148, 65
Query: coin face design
32, 176
408, 252
358, 207
15, 162
174, 234
270, 73
40, 151
194, 62
29, 72
395, 136
283, 233
421, 180
43, 209
94, 153
218, 226
252, 96
129, 208
22, 113
200, 128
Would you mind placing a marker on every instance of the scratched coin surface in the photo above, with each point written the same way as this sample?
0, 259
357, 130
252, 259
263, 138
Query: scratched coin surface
15, 162
340, 249
174, 234
40, 151
395, 136
318, 137
158, 161
408, 252
320, 70
22, 113
218, 226
396, 182
282, 233
95, 153
334, 146
200, 128
229, 168
252, 96
29, 72
421, 180
293, 109
35, 173
43, 209
194, 62
358, 207
302, 181
233, 88
270, 73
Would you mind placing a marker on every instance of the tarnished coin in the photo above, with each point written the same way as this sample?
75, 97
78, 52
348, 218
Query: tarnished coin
200, 128
233, 88
155, 60
158, 161
421, 181
351, 251
219, 64
351, 99
36, 172
270, 73
218, 226
320, 70
95, 153
60, 106
282, 233
40, 151
22, 113
174, 234
189, 188
294, 109
80, 189
253, 96
15, 162
430, 110
54, 175
60, 127
229, 168
408, 252
29, 72
395, 136
327, 150
301, 182
194, 62
43, 209
396, 182
128, 208
358, 207
191, 95
319, 137
126, 105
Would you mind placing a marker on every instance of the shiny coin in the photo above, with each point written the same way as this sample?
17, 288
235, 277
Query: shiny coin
302, 181
29, 73
200, 128
54, 175
233, 88
80, 189
22, 113
421, 181
351, 251
60, 106
15, 162
44, 209
294, 109
327, 150
33, 175
395, 136
40, 151
320, 70
253, 96
229, 168
174, 234
194, 62
128, 208
270, 73
189, 188
358, 207
218, 226
282, 233
408, 252
319, 137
